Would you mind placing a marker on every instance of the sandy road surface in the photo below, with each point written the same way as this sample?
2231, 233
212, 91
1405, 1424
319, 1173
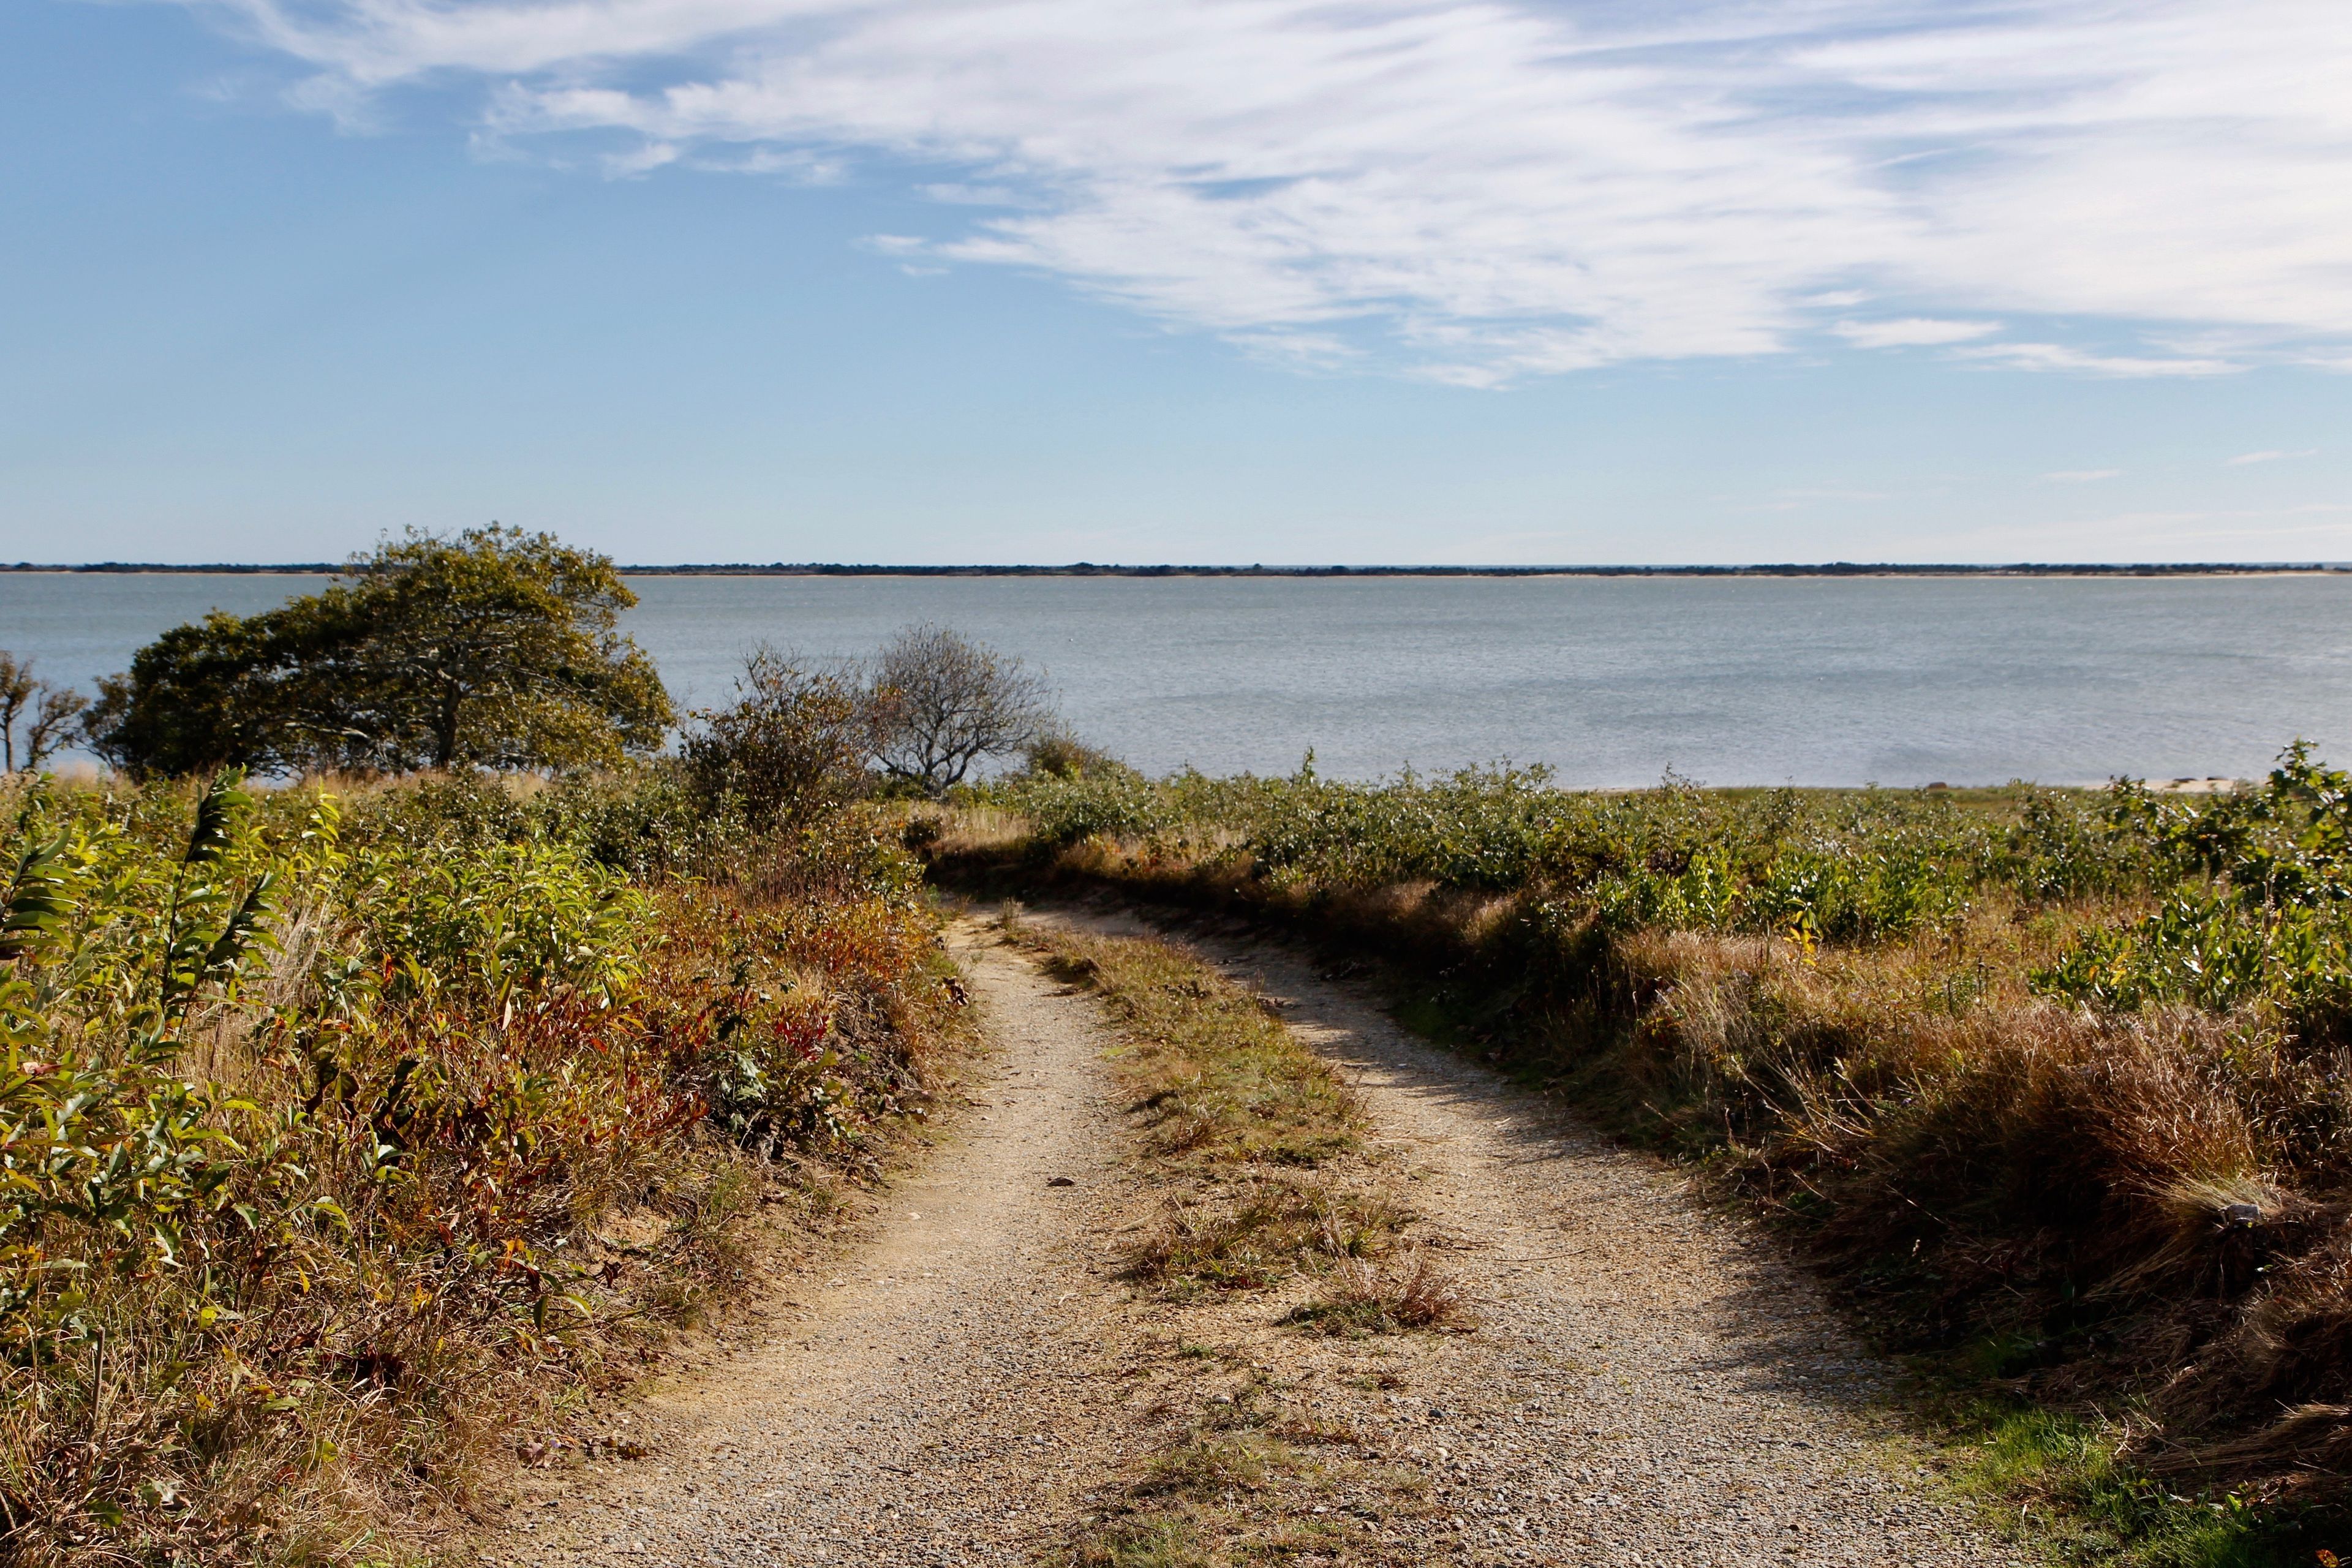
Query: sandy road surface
1650, 1382
1648, 1385
946, 1397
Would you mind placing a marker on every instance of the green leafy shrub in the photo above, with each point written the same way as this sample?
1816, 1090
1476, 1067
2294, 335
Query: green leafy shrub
2257, 913
1064, 809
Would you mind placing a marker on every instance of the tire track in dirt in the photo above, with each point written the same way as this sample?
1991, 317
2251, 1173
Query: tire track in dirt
1652, 1380
953, 1387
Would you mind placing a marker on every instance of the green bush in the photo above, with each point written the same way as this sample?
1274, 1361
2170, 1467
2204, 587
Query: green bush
1874, 866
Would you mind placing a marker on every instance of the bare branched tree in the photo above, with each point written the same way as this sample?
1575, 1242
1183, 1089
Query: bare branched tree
37, 719
946, 702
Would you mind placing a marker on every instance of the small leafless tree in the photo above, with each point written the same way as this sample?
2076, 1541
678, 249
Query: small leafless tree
793, 744
37, 719
947, 701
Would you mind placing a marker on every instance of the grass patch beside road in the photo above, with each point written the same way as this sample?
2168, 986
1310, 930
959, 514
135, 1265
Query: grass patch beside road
2061, 1476
1222, 1080
1250, 1481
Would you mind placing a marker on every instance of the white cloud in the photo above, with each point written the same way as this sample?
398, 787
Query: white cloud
798, 166
1487, 189
1911, 331
2082, 476
956, 195
642, 159
2242, 458
2058, 356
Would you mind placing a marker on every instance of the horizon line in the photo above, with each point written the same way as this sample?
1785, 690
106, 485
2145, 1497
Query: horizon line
1097, 569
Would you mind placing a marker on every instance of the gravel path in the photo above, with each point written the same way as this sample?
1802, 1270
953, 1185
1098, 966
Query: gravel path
946, 1395
1647, 1383
1650, 1382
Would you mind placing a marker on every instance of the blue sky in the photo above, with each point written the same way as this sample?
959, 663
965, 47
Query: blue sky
1410, 280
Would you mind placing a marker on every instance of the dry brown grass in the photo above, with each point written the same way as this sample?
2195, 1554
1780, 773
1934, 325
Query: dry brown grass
1259, 1138
387, 1282
1259, 1146
1217, 1078
1399, 1294
1252, 1481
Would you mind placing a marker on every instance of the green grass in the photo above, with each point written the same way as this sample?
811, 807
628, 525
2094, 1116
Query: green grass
2056, 1474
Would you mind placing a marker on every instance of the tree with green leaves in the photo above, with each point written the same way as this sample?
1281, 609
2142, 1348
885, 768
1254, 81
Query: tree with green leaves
493, 648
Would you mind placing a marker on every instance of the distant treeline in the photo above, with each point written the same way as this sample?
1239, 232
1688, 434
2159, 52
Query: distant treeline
1092, 569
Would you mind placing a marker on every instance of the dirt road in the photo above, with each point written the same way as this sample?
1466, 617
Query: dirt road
1647, 1383
943, 1396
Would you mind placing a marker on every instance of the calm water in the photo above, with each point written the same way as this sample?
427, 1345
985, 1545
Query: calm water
1610, 680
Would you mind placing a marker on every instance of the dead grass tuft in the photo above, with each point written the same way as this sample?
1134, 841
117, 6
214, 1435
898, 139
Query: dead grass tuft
1262, 1134
1262, 1146
1405, 1292
1213, 1463
1217, 1078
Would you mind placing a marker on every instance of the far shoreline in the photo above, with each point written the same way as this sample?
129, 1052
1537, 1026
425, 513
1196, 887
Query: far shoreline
1091, 569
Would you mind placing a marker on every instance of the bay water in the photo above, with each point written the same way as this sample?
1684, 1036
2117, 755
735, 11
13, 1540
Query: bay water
1610, 680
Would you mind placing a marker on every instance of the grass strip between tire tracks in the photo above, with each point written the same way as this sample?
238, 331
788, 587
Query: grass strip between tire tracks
1258, 1147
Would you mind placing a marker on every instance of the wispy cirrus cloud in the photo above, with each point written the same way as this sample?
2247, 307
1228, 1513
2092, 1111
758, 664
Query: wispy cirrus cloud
2060, 357
1912, 332
2243, 459
1483, 190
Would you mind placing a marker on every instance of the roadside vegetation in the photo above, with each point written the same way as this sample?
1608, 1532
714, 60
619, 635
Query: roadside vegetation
2052, 1081
343, 1131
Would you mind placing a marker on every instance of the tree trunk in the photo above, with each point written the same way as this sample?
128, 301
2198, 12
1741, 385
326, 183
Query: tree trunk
445, 732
